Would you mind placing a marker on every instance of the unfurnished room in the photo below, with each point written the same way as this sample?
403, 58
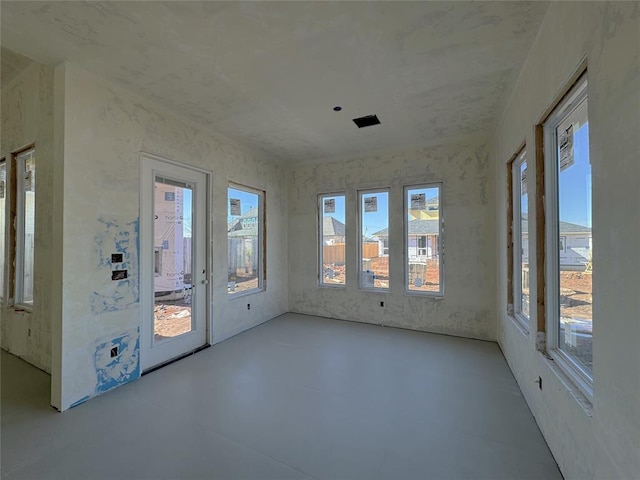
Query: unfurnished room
320, 240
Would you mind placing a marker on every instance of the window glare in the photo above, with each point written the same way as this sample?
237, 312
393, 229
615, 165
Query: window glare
244, 240
27, 182
374, 241
422, 239
574, 237
332, 240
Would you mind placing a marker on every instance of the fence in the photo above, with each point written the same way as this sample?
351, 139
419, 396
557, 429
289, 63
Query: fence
336, 253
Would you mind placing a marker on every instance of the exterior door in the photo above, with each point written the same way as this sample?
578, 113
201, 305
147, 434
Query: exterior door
174, 267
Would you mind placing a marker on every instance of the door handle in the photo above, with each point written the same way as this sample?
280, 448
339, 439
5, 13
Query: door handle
205, 282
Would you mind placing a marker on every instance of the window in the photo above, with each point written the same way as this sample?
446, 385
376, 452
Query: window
374, 239
423, 239
245, 239
568, 236
519, 224
25, 226
3, 223
332, 239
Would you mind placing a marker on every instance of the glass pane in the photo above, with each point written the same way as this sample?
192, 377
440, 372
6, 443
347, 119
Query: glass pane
524, 237
374, 246
422, 239
243, 218
27, 161
575, 246
3, 224
173, 249
332, 232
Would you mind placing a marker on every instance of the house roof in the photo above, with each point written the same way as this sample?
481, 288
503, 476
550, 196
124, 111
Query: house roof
565, 227
236, 223
332, 227
416, 227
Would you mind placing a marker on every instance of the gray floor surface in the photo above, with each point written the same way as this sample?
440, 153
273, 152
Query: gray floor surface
297, 397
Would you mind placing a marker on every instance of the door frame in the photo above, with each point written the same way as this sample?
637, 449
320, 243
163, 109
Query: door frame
146, 304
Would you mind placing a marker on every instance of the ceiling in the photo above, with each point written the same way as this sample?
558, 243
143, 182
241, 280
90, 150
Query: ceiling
268, 74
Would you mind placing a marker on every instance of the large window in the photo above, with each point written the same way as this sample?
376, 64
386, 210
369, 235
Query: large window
423, 239
25, 226
332, 239
374, 239
568, 236
3, 223
519, 224
245, 238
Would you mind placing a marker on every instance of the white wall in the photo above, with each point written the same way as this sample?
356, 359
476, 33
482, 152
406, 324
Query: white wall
467, 308
601, 440
27, 117
105, 129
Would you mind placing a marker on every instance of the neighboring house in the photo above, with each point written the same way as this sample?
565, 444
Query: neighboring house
575, 244
243, 243
423, 239
333, 231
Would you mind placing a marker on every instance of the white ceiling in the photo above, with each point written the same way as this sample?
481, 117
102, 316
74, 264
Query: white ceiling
269, 73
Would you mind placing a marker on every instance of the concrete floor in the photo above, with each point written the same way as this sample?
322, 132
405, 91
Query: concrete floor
297, 397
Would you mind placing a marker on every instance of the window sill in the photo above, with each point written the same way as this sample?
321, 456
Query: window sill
434, 295
21, 308
520, 322
573, 385
254, 291
339, 286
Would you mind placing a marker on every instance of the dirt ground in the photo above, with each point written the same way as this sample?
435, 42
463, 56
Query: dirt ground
335, 274
244, 283
171, 318
576, 295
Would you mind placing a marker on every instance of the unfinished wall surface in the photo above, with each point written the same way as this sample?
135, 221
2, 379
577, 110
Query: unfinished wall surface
106, 128
601, 440
467, 307
27, 118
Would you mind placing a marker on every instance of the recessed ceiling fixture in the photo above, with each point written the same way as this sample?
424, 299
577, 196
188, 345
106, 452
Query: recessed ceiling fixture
367, 121
337, 108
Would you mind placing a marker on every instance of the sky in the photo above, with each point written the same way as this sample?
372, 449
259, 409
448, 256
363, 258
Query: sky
574, 183
247, 202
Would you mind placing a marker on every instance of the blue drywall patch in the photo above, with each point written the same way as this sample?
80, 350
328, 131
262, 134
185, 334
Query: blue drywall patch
115, 237
124, 367
78, 402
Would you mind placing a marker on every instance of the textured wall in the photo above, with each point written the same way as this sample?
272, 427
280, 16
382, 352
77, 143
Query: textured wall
106, 127
601, 440
467, 198
27, 117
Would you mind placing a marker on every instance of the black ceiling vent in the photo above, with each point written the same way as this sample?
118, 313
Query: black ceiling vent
367, 121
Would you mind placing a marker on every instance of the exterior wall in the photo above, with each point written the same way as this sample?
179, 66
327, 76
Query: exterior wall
601, 440
467, 308
27, 117
105, 129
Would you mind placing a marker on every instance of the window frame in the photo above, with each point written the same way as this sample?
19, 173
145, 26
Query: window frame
262, 239
18, 219
362, 192
321, 197
565, 107
405, 239
515, 218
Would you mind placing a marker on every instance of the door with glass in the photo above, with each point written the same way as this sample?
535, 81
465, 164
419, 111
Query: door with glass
174, 273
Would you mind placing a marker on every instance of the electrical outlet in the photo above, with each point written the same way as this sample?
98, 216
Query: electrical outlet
114, 352
248, 306
382, 304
